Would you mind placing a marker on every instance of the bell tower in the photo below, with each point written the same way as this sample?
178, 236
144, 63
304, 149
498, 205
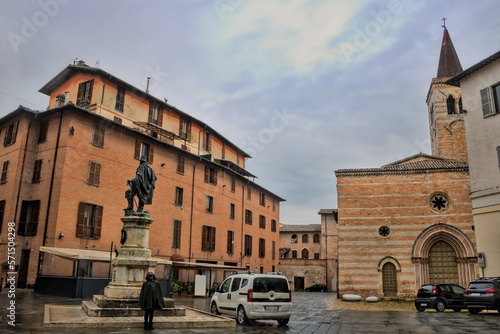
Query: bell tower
444, 102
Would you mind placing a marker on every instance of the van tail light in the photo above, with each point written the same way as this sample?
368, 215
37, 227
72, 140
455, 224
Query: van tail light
435, 291
466, 292
250, 296
490, 291
289, 296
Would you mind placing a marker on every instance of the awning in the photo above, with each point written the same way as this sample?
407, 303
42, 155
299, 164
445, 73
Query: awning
102, 256
86, 254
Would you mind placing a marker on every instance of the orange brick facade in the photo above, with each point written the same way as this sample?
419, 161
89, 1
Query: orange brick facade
77, 139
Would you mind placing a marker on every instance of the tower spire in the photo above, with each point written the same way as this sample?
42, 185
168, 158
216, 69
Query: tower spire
449, 64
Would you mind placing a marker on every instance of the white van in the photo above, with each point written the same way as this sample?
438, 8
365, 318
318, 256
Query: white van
251, 297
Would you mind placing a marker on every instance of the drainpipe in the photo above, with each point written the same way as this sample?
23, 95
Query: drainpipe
51, 187
192, 211
242, 249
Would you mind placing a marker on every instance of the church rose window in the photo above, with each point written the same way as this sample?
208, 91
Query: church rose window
439, 202
384, 231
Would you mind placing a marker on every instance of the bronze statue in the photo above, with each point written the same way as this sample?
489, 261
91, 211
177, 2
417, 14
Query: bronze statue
142, 186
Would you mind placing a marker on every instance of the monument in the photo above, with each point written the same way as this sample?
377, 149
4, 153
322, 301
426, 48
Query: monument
134, 258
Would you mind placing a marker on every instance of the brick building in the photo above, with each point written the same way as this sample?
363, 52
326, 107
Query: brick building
410, 222
308, 253
65, 172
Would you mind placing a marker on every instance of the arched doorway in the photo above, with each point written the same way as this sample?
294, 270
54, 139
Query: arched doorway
305, 254
389, 280
443, 263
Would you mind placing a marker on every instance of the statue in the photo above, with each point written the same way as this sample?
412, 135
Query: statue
142, 186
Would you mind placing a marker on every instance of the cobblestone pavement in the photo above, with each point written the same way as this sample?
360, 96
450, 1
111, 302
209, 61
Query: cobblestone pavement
310, 315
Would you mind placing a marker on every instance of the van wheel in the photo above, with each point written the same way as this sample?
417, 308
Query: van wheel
420, 308
241, 316
440, 306
283, 321
213, 308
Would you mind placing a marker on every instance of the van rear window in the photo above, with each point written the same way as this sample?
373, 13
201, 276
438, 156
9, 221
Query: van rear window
265, 284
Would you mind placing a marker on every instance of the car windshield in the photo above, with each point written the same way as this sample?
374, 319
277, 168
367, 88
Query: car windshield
426, 288
481, 285
264, 284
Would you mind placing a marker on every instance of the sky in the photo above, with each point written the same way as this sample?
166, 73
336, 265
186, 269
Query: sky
304, 87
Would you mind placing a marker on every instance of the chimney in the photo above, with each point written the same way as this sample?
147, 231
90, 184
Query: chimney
60, 100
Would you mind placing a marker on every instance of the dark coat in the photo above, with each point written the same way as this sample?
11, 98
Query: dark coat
143, 184
151, 296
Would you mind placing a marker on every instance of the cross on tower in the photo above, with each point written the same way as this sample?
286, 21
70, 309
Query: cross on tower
444, 22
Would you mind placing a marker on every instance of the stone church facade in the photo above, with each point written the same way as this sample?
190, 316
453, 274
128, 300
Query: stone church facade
410, 222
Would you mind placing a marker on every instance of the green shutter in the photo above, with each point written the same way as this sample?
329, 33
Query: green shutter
485, 101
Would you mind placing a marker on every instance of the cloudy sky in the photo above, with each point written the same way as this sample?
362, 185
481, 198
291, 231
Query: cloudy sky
305, 87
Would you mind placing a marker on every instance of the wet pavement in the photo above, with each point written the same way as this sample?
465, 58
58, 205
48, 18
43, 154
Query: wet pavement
310, 315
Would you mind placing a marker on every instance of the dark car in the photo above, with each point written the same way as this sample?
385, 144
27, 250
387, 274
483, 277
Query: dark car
482, 294
440, 297
317, 287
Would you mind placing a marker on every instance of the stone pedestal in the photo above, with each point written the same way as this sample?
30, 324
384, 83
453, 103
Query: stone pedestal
133, 262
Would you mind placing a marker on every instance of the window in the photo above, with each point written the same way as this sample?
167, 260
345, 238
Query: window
94, 174
208, 238
316, 238
176, 234
248, 217
490, 98
143, 149
42, 135
498, 155
273, 250
98, 136
262, 221
233, 184
273, 225
120, 99
89, 221
210, 175
305, 254
37, 171
262, 199
248, 245
294, 254
179, 196
181, 161
232, 211
185, 129
155, 114
28, 221
262, 247
207, 141
450, 105
439, 202
230, 242
294, 239
5, 170
305, 238
249, 193
274, 205
2, 212
10, 134
209, 204
223, 153
84, 93
316, 256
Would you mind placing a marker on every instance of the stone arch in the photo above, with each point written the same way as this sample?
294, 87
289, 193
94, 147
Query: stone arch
461, 244
389, 259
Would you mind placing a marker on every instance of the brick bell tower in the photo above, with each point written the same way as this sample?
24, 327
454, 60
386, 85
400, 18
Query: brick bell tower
444, 102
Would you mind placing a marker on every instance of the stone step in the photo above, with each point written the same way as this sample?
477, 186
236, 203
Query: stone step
93, 310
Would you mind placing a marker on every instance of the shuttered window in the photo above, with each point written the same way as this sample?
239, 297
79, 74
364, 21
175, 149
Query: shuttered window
84, 96
28, 222
176, 234
98, 135
94, 173
37, 171
155, 114
208, 238
11, 134
248, 245
230, 242
486, 101
120, 99
89, 221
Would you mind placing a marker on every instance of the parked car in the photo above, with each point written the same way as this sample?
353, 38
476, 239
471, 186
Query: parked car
483, 294
250, 297
440, 297
317, 287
